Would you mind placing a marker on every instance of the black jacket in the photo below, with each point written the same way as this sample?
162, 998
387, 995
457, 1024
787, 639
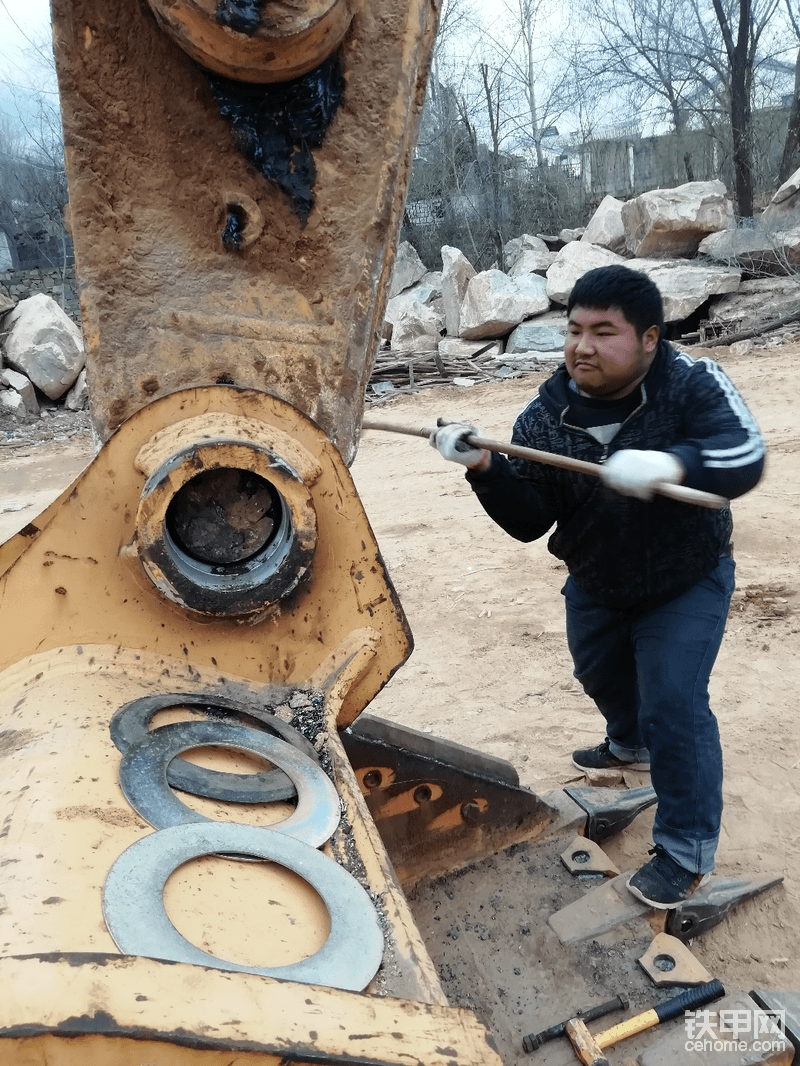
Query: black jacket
624, 552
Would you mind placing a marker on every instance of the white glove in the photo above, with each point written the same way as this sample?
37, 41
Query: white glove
449, 440
635, 473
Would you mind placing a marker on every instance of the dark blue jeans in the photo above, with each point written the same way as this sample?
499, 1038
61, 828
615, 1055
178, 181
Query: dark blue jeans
648, 674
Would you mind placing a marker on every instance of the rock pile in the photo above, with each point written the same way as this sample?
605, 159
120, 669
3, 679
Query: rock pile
459, 325
686, 239
42, 354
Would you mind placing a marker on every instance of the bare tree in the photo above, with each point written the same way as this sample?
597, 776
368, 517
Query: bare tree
641, 52
702, 59
792, 142
742, 23
33, 187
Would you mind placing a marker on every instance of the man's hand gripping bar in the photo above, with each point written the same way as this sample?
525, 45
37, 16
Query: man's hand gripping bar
673, 492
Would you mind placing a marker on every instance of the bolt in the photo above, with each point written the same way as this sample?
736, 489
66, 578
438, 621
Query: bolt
372, 778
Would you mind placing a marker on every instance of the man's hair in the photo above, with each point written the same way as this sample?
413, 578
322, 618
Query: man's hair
628, 291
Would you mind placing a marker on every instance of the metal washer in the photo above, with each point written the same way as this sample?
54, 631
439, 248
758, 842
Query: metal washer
350, 957
130, 724
143, 777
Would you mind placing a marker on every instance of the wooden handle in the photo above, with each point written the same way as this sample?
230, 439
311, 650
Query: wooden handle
673, 492
631, 1027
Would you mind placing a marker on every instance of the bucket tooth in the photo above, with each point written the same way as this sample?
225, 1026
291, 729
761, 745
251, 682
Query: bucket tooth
712, 902
610, 810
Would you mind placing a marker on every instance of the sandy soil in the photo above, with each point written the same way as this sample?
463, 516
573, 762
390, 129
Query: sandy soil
491, 669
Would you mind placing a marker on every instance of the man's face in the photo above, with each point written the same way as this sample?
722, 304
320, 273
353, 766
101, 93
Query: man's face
605, 357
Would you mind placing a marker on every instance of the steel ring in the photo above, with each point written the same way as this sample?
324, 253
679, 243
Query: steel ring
133, 903
130, 724
143, 777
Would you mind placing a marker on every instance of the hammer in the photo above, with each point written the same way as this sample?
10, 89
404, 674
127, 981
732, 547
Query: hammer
534, 1040
589, 1049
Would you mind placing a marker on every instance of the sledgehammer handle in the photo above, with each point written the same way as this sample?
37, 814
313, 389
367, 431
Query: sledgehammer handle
673, 492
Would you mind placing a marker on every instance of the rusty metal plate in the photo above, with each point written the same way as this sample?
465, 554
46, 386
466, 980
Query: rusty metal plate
143, 777
130, 724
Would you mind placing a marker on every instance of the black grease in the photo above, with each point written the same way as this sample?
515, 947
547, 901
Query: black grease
240, 15
232, 234
275, 126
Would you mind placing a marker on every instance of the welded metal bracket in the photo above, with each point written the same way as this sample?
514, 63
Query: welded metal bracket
439, 806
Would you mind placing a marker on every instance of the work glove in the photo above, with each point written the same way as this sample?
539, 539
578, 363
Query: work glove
635, 473
448, 439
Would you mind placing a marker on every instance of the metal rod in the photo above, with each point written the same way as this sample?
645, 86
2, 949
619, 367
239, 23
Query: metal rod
673, 492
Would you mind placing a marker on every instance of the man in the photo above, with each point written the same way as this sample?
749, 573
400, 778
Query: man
650, 579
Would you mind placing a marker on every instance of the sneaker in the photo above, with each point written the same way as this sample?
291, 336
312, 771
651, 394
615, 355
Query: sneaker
662, 883
602, 758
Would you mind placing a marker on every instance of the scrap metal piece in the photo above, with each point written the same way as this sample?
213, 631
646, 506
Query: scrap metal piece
711, 903
785, 1006
610, 810
585, 856
130, 723
439, 806
601, 909
133, 904
143, 777
669, 963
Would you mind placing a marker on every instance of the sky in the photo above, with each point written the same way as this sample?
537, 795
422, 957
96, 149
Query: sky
23, 23
20, 22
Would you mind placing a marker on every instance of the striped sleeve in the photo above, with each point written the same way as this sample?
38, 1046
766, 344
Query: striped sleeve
720, 446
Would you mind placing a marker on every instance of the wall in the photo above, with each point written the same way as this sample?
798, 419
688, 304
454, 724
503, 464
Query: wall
629, 165
19, 284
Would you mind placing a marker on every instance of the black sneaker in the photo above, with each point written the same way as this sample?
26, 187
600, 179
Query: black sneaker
662, 882
602, 758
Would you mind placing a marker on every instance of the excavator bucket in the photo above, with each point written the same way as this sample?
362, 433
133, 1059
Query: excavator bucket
210, 585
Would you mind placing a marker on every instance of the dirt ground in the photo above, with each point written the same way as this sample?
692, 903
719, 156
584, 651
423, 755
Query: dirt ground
491, 670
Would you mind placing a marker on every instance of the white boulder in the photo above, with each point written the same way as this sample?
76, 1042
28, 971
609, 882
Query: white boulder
537, 337
756, 300
532, 262
513, 250
408, 269
567, 235
417, 294
78, 396
572, 262
763, 247
786, 201
605, 226
456, 348
44, 344
457, 272
11, 403
12, 379
672, 222
495, 303
417, 328
684, 286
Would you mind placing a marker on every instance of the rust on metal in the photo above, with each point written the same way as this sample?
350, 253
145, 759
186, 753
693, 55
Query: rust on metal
439, 806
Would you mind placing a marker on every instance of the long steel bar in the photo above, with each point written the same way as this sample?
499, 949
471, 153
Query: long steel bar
674, 492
